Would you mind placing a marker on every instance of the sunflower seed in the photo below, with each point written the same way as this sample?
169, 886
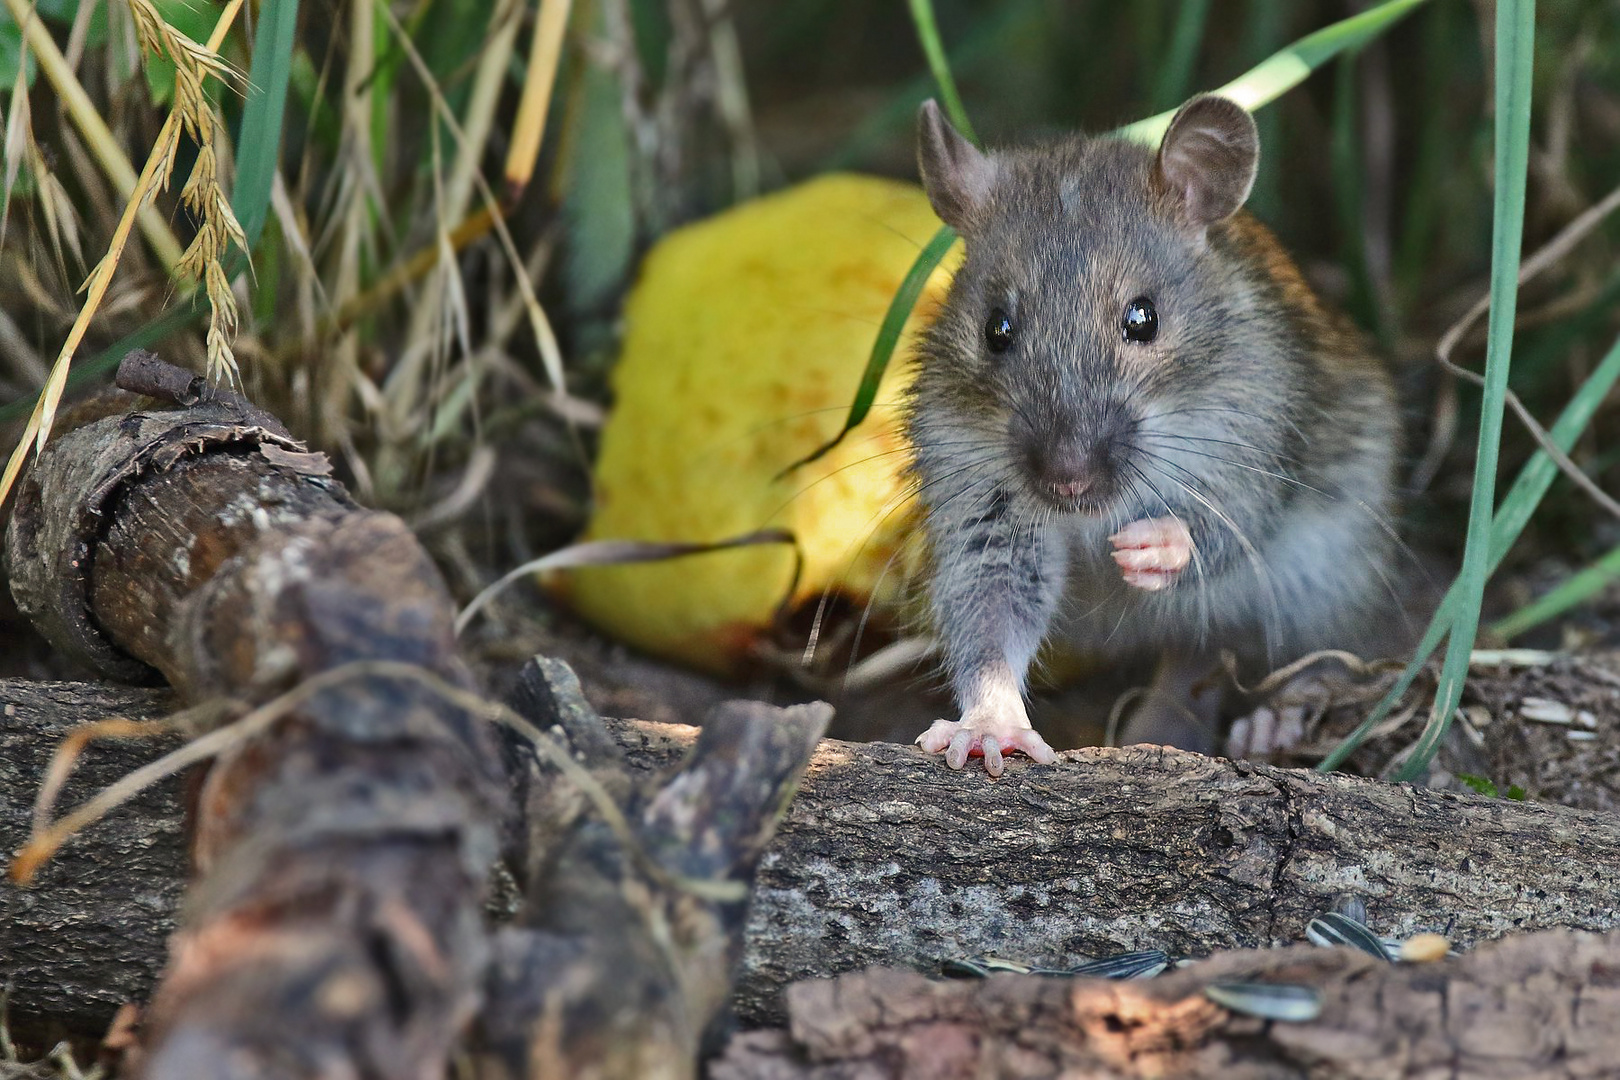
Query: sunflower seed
979, 967
1331, 928
1131, 965
1352, 906
1268, 1001
1546, 711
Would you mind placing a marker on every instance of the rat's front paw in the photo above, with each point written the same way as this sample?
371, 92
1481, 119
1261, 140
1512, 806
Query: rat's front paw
1152, 552
961, 739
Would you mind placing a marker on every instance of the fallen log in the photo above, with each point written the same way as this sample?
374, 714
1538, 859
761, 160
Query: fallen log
348, 819
887, 859
347, 824
1534, 1006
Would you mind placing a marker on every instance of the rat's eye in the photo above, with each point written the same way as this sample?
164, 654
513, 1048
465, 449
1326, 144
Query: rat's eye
998, 331
1141, 320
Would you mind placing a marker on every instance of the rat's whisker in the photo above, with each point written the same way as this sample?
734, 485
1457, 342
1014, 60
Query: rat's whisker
1262, 572
1264, 421
1263, 452
1251, 468
1205, 624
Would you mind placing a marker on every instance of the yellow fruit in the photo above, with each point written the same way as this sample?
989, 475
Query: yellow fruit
745, 341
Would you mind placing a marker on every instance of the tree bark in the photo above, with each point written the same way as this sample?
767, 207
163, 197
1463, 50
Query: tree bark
344, 841
887, 858
90, 933
1535, 1006
347, 824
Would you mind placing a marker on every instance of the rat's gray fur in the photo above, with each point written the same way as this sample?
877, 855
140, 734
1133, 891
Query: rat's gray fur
1257, 416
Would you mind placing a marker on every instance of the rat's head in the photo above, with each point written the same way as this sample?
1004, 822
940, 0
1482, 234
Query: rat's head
1098, 311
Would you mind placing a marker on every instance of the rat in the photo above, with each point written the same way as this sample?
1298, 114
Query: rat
1137, 428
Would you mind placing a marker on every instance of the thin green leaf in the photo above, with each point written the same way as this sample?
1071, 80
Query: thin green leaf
922, 14
11, 51
1176, 69
1262, 37
1515, 37
599, 205
1261, 85
1270, 79
1521, 501
1577, 589
258, 153
894, 321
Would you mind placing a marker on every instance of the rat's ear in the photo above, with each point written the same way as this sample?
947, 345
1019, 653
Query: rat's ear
1208, 159
957, 175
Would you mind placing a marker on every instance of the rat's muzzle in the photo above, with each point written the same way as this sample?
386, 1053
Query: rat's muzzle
1071, 455
1071, 475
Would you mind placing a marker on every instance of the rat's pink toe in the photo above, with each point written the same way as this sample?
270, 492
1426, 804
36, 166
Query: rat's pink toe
1151, 552
992, 755
959, 740
1032, 746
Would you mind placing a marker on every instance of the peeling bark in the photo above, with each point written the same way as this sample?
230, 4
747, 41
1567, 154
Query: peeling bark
1533, 1006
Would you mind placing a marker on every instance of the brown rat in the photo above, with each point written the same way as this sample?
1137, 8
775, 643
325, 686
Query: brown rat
1137, 427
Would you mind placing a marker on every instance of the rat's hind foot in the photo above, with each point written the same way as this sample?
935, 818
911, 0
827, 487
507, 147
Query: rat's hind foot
961, 739
1267, 732
1152, 552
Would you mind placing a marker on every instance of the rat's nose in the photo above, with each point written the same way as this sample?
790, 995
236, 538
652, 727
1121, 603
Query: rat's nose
1066, 471
1070, 489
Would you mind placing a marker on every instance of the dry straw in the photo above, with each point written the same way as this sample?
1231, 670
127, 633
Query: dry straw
193, 114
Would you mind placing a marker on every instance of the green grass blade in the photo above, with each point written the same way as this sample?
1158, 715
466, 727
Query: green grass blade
1262, 37
922, 14
1429, 188
894, 321
987, 39
1260, 86
1578, 589
1517, 507
1176, 70
258, 148
1515, 36
1275, 76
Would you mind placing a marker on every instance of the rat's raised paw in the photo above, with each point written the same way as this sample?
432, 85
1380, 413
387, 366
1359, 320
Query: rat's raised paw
1153, 552
990, 736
